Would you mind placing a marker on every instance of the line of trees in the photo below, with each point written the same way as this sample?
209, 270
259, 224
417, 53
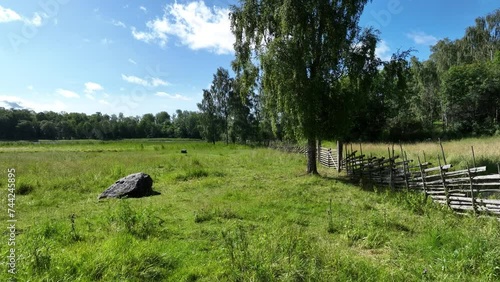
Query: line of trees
25, 124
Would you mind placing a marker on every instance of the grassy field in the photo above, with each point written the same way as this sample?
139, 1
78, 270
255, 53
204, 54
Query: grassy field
225, 213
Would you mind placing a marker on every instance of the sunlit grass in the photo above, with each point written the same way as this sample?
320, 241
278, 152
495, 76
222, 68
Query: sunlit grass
227, 213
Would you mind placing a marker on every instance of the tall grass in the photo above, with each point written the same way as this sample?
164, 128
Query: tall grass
227, 213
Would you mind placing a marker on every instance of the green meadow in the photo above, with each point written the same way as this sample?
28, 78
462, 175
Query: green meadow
225, 213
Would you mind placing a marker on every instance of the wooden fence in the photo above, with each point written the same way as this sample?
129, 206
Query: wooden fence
465, 190
326, 156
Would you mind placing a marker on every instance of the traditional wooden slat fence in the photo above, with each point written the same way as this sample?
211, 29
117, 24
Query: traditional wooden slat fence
288, 147
328, 157
466, 190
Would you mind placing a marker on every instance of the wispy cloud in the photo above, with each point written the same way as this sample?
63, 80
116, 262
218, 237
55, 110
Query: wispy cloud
21, 103
194, 24
152, 82
36, 20
67, 93
383, 51
158, 82
132, 61
422, 38
9, 15
118, 23
174, 97
91, 87
135, 80
142, 8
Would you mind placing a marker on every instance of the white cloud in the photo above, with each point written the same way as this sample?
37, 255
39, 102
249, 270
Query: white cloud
104, 102
132, 61
174, 97
143, 9
8, 15
160, 38
196, 26
30, 87
152, 82
135, 80
36, 20
158, 82
118, 23
91, 87
383, 51
9, 101
422, 38
67, 93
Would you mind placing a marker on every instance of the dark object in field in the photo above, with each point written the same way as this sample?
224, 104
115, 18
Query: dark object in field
184, 151
133, 186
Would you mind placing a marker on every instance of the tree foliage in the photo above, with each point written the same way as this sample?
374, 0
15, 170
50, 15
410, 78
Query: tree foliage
22, 124
301, 50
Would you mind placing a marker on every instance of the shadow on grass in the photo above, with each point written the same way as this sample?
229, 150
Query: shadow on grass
490, 163
132, 196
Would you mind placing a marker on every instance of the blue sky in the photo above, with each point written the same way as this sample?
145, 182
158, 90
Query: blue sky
139, 57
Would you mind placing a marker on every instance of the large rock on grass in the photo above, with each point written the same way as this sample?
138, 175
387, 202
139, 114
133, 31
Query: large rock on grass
134, 186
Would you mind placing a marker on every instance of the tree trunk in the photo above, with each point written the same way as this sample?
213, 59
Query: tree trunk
311, 156
339, 155
227, 132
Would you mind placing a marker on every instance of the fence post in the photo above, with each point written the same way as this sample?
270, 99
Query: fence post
339, 156
370, 167
361, 166
473, 156
423, 177
318, 152
442, 151
474, 207
406, 170
443, 179
391, 182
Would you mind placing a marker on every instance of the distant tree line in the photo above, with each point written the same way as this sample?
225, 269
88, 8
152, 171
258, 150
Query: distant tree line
16, 124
